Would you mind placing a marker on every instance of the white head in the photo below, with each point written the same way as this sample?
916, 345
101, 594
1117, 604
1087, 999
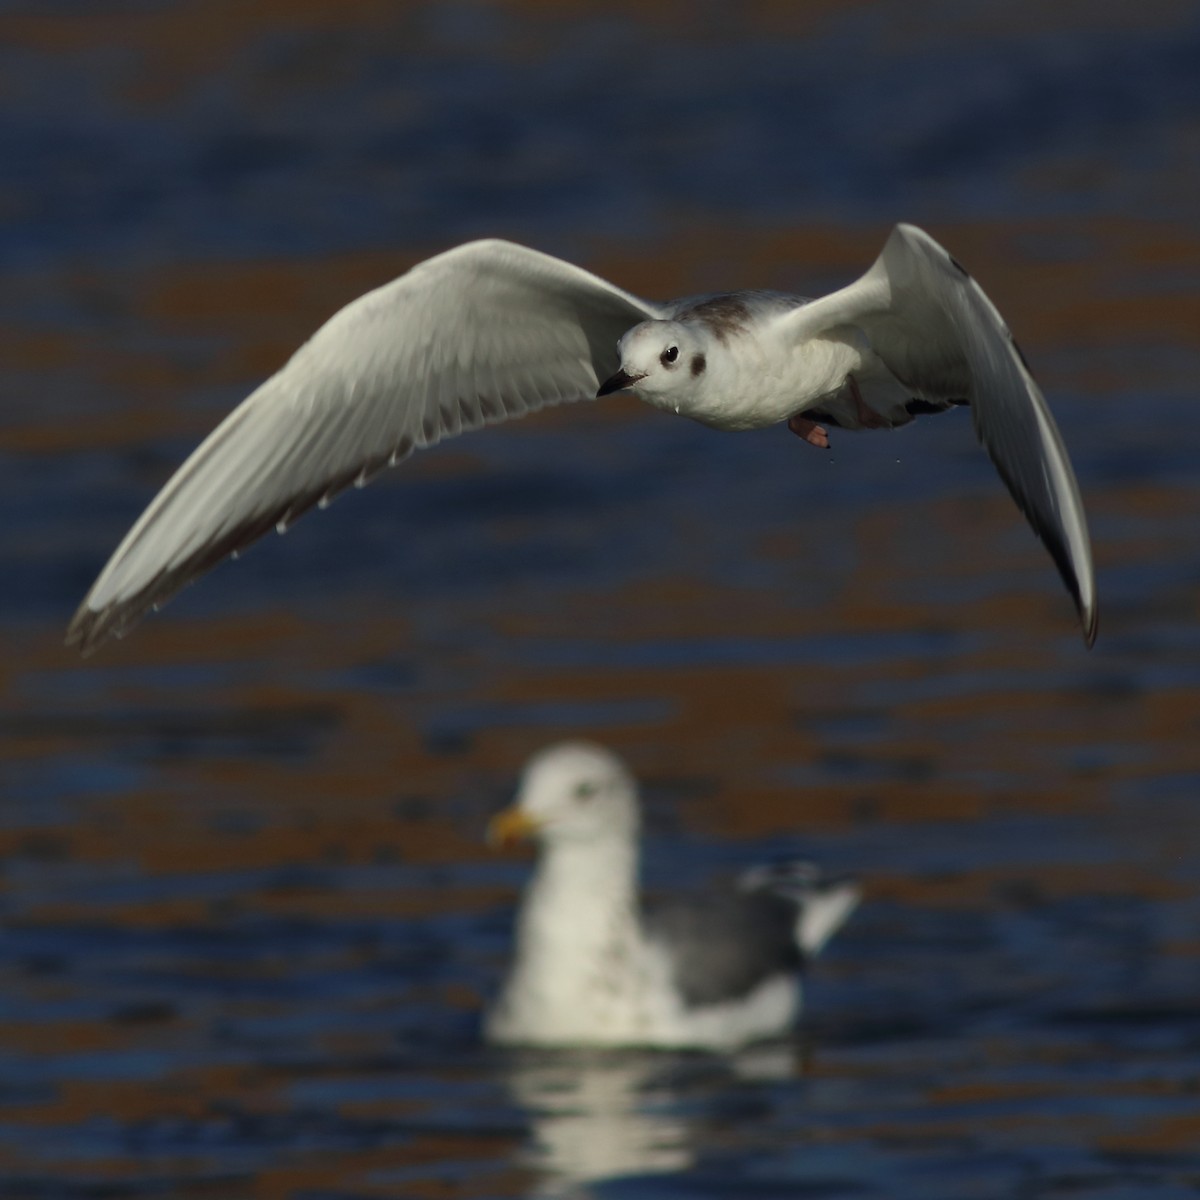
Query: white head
660, 361
571, 792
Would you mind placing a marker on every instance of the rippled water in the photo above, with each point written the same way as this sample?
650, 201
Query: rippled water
249, 919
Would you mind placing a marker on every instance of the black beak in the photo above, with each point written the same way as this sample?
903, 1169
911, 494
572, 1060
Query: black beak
618, 383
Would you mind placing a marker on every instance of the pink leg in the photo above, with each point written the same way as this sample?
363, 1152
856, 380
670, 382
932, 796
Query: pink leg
818, 435
810, 431
869, 417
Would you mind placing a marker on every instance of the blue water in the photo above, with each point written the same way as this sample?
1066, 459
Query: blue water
249, 921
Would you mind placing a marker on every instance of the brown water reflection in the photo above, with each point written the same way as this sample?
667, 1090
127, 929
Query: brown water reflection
985, 710
248, 917
1112, 288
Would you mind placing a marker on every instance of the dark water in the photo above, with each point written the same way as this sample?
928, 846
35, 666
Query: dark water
248, 917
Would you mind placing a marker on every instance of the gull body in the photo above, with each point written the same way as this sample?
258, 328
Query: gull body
594, 965
729, 371
490, 331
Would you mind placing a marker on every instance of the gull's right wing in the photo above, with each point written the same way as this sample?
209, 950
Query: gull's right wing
482, 333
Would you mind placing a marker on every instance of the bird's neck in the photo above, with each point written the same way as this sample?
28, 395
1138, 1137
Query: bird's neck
582, 896
580, 953
571, 869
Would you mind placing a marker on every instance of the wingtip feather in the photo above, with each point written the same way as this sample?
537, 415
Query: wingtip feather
1090, 619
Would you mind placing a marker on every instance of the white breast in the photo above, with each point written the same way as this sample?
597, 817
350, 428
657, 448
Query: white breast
754, 381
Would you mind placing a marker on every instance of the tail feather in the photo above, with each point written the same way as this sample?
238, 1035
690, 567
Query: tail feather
823, 902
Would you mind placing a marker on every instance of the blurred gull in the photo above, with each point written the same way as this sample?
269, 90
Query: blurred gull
492, 330
593, 967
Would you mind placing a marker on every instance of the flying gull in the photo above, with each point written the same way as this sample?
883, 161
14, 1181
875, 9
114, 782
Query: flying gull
491, 330
594, 966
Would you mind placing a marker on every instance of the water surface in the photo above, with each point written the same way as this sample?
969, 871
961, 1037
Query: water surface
249, 920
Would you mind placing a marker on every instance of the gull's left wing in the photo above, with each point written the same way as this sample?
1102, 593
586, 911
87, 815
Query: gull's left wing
941, 337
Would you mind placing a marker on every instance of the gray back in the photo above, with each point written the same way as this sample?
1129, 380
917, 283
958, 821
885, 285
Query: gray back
723, 946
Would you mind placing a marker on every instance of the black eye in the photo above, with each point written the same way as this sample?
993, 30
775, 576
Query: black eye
669, 355
586, 790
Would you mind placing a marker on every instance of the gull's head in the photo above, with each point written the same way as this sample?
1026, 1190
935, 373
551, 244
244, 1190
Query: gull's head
660, 361
571, 792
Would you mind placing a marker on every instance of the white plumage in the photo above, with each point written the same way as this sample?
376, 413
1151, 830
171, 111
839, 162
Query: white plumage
593, 966
492, 330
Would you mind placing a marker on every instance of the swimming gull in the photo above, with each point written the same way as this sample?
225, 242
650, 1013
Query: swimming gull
491, 330
593, 966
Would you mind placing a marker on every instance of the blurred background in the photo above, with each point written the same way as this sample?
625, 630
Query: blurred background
248, 916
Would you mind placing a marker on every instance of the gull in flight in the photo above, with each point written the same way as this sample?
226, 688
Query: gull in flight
491, 330
595, 966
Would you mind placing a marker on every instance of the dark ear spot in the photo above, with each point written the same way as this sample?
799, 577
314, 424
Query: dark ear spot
698, 364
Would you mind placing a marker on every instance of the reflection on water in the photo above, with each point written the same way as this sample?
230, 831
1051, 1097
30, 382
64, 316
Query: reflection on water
248, 919
597, 1116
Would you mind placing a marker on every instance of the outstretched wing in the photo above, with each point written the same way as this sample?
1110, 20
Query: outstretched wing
937, 332
482, 333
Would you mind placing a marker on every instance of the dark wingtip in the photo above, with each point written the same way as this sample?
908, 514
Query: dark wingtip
1089, 615
1056, 545
91, 628
79, 631
1091, 625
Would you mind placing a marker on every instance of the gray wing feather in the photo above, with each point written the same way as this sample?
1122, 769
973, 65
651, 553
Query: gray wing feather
934, 329
721, 947
485, 332
821, 903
